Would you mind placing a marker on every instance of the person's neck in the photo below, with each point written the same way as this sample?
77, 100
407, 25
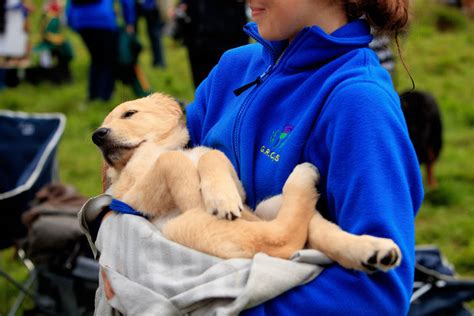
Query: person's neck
329, 19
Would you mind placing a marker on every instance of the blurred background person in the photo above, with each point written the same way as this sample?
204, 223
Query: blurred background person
381, 44
54, 52
96, 22
14, 40
128, 69
208, 28
151, 12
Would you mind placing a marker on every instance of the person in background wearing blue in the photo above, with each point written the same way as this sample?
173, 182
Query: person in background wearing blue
96, 22
311, 90
154, 26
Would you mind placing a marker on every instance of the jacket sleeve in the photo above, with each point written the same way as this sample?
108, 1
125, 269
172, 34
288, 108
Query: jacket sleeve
372, 185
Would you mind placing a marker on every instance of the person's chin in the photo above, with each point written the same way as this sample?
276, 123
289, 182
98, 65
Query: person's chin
269, 36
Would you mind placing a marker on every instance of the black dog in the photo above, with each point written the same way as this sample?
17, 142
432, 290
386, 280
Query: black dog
423, 119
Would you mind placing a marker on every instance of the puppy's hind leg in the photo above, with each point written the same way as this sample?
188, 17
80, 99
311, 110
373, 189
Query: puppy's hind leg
299, 199
364, 253
288, 232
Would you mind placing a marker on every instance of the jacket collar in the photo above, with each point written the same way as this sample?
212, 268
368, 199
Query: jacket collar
312, 46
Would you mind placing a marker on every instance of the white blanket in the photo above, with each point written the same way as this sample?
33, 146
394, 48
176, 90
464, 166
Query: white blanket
151, 275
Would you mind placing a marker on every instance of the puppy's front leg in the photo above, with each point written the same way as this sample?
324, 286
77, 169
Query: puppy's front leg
172, 182
364, 253
220, 187
181, 178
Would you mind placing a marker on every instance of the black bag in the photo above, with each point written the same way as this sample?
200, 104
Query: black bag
65, 271
53, 227
436, 290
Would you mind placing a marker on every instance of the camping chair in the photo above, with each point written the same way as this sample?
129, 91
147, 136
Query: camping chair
28, 144
436, 290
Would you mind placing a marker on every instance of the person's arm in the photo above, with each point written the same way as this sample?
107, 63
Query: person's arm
129, 14
372, 186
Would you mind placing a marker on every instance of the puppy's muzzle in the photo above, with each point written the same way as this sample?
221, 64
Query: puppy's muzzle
100, 136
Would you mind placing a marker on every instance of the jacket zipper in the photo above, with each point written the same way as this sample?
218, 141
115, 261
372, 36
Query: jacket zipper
260, 79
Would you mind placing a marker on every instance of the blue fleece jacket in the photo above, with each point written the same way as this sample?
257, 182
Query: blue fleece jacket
324, 99
99, 14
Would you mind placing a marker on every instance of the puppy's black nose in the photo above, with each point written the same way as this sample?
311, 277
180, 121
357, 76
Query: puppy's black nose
100, 135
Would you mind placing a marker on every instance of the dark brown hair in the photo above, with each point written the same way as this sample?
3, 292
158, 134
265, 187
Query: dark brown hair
387, 16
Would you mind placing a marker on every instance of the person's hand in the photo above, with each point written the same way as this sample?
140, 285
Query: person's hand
107, 215
109, 292
180, 9
130, 29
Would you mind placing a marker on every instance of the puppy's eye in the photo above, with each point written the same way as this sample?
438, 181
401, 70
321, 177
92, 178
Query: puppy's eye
129, 113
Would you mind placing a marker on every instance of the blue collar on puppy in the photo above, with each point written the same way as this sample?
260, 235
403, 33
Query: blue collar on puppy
123, 208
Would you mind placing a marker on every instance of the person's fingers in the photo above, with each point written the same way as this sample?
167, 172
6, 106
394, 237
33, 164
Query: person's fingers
109, 292
107, 215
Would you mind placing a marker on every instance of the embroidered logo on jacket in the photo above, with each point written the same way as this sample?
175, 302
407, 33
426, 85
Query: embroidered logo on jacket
277, 141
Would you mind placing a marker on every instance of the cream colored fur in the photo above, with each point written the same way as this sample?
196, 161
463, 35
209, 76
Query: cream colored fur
196, 198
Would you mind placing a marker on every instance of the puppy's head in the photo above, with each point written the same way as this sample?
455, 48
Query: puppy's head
153, 120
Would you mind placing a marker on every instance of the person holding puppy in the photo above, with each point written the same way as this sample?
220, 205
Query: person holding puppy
310, 89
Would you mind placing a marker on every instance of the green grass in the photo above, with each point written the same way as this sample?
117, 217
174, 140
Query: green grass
79, 160
440, 61
78, 157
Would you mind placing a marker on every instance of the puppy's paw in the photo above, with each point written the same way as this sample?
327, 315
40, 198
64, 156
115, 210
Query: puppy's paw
222, 202
304, 176
376, 254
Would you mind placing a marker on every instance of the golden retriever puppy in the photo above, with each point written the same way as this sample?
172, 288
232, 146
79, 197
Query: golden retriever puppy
195, 196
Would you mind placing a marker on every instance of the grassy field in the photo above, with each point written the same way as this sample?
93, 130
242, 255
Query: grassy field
443, 63
440, 61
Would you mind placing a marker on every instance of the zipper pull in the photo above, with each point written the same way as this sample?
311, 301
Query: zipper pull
240, 90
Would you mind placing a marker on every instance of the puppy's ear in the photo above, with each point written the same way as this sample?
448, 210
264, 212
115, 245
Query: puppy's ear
173, 105
105, 179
